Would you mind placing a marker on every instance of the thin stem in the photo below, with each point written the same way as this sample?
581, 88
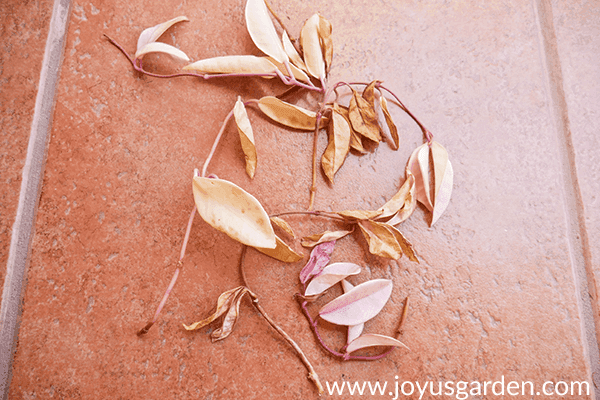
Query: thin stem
216, 142
313, 188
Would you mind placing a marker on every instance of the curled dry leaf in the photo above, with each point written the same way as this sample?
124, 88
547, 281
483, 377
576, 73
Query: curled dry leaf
371, 340
354, 215
288, 114
386, 241
325, 30
246, 136
283, 225
339, 145
223, 304
354, 331
359, 305
327, 236
355, 138
262, 31
329, 276
291, 51
401, 206
381, 105
319, 258
150, 35
433, 188
281, 252
230, 209
311, 47
234, 65
363, 118
159, 47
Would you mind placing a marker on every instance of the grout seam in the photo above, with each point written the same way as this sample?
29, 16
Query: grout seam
577, 235
29, 195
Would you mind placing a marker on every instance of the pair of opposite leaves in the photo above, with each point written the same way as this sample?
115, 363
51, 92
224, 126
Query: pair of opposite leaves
315, 39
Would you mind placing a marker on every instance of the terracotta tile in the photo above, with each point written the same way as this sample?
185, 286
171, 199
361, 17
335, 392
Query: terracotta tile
23, 29
493, 295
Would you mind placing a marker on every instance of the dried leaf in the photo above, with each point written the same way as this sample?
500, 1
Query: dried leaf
405, 245
329, 276
382, 241
371, 340
369, 92
325, 30
297, 72
393, 131
283, 225
327, 236
319, 258
311, 47
234, 65
246, 136
355, 138
288, 114
281, 252
291, 51
354, 331
443, 175
354, 215
160, 47
230, 318
402, 204
363, 118
359, 305
223, 304
339, 145
262, 31
152, 34
418, 164
230, 209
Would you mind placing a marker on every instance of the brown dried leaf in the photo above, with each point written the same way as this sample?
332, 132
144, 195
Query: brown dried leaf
223, 303
234, 65
288, 114
354, 215
230, 209
281, 252
405, 245
363, 118
339, 145
319, 258
246, 136
355, 138
389, 122
369, 92
327, 236
152, 34
359, 305
325, 30
371, 340
160, 47
262, 31
291, 51
231, 317
311, 47
382, 241
403, 202
283, 225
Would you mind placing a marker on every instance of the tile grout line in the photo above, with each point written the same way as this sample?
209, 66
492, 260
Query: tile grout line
31, 184
577, 236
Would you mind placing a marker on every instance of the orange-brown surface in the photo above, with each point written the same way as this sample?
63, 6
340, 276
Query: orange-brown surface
494, 294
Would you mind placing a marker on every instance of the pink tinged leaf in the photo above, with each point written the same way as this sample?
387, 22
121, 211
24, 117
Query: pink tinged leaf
359, 305
159, 47
418, 164
319, 258
371, 340
262, 31
329, 276
152, 34
442, 199
354, 331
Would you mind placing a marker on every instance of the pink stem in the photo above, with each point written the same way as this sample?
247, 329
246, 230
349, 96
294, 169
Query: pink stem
214, 146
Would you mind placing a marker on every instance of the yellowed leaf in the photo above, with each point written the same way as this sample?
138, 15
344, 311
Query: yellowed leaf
291, 51
405, 245
283, 225
325, 30
355, 138
311, 47
404, 202
152, 34
234, 65
382, 241
339, 145
281, 252
389, 123
359, 214
369, 92
363, 118
288, 114
246, 136
327, 236
262, 31
230, 209
160, 47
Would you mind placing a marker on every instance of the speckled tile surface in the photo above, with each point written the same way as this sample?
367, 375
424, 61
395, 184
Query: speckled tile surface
493, 296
